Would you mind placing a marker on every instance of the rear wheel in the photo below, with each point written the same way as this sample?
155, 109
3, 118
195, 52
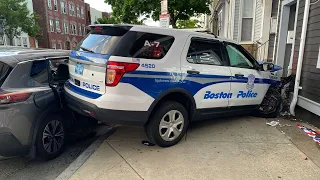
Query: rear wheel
271, 105
168, 124
51, 137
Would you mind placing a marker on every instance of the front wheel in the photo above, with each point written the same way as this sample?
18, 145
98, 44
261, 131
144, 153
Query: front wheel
271, 105
51, 137
168, 124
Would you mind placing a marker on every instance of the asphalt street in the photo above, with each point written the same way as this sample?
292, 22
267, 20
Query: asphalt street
22, 168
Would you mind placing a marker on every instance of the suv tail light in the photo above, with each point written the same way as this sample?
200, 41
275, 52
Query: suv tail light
115, 71
8, 98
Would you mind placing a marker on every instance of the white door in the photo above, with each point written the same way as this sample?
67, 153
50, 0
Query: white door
248, 85
205, 72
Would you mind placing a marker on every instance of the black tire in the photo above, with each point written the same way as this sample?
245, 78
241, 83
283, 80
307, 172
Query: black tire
44, 138
153, 126
274, 101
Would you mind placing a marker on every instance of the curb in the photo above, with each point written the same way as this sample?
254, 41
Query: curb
76, 164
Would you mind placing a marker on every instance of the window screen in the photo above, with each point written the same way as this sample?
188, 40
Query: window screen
205, 52
39, 72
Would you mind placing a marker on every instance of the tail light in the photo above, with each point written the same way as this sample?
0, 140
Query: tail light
115, 71
9, 98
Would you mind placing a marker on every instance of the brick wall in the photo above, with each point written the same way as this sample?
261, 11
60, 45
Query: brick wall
60, 38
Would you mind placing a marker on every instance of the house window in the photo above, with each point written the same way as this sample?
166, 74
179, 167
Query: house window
75, 29
63, 7
66, 27
59, 45
78, 11
49, 4
82, 12
58, 26
51, 25
80, 29
24, 42
55, 3
73, 10
54, 45
247, 20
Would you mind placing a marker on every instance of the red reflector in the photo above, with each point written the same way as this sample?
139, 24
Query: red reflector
14, 97
97, 27
115, 71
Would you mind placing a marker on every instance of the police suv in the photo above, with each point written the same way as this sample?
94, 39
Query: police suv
163, 79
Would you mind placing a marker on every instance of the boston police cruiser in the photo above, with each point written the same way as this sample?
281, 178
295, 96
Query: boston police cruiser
163, 79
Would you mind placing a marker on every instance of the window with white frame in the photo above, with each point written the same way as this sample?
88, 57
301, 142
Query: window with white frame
66, 27
59, 45
51, 25
247, 20
73, 10
82, 12
58, 26
63, 7
75, 29
54, 45
78, 11
49, 4
70, 9
55, 4
80, 29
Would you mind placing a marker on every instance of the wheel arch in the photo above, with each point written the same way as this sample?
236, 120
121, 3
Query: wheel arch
179, 95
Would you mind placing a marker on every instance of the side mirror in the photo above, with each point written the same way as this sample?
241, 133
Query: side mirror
267, 66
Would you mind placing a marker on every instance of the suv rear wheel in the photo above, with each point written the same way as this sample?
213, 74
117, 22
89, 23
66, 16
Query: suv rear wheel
51, 137
168, 124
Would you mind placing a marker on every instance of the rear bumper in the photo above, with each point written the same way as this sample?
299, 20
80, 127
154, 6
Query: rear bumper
137, 118
11, 146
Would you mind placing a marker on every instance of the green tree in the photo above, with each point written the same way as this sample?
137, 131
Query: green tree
129, 10
17, 19
187, 24
105, 20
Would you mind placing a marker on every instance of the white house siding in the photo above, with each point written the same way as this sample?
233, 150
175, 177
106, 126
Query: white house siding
236, 20
95, 14
258, 21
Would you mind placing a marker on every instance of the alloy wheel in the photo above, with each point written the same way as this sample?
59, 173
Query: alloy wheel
53, 136
171, 125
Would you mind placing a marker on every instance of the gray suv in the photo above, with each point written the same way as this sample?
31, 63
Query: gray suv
31, 84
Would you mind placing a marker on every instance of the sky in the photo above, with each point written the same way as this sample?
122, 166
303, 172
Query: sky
102, 6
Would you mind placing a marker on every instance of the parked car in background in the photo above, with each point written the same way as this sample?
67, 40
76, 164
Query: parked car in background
31, 82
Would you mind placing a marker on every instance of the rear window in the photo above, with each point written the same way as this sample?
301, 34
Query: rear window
119, 41
5, 70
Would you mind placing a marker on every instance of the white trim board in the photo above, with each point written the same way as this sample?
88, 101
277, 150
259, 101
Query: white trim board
309, 105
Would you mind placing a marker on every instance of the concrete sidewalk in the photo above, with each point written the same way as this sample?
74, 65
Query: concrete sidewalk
234, 148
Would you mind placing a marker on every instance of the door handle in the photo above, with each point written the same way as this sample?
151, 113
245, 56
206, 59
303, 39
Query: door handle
193, 72
239, 75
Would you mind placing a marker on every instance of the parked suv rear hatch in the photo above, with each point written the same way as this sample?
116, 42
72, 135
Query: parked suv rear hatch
87, 65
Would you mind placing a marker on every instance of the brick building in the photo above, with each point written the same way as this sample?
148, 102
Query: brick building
62, 23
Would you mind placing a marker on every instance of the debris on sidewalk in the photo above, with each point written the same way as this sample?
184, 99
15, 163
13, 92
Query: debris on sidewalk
147, 143
273, 123
311, 133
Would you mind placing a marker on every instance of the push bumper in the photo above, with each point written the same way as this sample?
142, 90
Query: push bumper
121, 117
10, 146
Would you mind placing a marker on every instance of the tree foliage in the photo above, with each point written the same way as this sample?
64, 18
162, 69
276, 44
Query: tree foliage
129, 10
187, 24
17, 19
105, 20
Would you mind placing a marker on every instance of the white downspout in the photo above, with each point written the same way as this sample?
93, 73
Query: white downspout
300, 58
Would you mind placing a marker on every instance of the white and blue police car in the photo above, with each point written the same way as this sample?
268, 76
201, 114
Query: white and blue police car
163, 79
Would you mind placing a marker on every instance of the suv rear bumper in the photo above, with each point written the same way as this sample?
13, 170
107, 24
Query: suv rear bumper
121, 117
11, 146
